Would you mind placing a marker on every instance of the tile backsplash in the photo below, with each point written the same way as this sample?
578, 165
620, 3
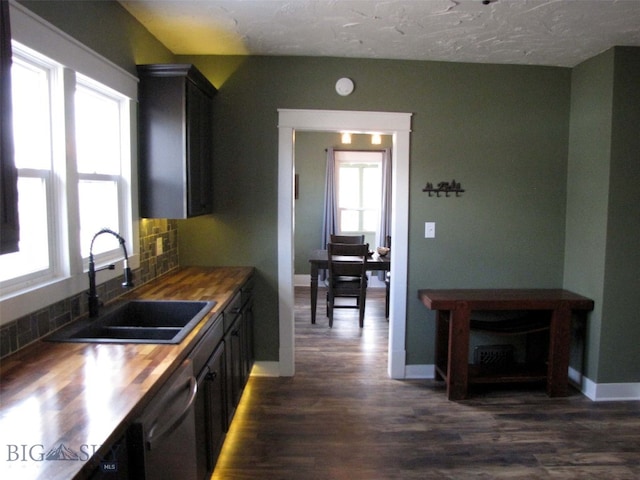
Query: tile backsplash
25, 330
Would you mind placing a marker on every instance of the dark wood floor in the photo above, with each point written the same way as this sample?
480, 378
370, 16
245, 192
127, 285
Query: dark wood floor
341, 417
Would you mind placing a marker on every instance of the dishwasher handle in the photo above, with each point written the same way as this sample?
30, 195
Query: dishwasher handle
155, 436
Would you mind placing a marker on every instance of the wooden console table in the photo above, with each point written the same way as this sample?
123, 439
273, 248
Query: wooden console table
453, 321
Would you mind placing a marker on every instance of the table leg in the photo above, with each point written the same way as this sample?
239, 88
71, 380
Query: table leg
559, 342
442, 343
314, 291
458, 369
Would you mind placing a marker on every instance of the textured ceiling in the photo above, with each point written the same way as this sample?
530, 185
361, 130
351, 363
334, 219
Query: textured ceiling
533, 32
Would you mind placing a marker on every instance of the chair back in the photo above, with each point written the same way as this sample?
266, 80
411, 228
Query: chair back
347, 265
350, 239
347, 262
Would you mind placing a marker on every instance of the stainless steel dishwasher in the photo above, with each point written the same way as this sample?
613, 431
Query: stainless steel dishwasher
162, 441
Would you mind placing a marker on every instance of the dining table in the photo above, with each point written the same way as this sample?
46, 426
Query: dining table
319, 260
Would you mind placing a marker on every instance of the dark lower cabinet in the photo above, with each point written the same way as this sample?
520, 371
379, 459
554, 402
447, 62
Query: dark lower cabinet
247, 318
238, 338
211, 418
234, 368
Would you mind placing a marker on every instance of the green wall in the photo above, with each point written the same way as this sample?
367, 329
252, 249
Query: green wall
542, 208
620, 352
602, 257
499, 130
106, 27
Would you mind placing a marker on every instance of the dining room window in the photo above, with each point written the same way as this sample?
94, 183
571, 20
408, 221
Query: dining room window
359, 187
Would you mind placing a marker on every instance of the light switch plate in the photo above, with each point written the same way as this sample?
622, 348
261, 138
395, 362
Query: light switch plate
429, 229
158, 246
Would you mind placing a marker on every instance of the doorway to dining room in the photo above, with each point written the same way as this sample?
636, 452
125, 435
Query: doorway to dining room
355, 196
395, 124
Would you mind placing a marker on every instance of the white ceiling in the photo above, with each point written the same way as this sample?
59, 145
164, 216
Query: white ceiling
532, 32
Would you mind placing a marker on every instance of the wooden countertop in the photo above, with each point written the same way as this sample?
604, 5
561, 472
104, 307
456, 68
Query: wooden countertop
85, 395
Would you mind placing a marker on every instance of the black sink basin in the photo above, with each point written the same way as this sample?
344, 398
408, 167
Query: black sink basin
138, 321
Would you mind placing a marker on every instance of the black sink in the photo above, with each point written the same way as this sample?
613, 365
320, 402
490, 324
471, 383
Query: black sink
138, 321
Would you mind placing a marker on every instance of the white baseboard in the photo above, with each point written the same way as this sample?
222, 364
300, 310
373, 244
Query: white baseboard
426, 372
605, 392
602, 392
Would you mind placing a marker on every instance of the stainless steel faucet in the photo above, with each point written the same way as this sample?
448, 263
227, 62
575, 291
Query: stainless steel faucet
94, 303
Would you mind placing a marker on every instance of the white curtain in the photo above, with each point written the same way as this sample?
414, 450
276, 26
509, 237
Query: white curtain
385, 207
384, 229
330, 213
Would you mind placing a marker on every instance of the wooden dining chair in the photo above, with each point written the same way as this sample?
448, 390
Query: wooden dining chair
347, 268
350, 239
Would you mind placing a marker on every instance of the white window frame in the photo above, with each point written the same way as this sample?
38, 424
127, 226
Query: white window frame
123, 180
70, 276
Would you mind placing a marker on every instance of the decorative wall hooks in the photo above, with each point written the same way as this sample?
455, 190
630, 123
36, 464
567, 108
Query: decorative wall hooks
444, 187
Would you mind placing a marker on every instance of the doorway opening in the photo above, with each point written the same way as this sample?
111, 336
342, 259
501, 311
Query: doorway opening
387, 123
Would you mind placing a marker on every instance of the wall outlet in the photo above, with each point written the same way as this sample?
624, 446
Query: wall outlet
159, 246
429, 229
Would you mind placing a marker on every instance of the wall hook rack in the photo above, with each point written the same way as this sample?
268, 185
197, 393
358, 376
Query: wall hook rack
444, 187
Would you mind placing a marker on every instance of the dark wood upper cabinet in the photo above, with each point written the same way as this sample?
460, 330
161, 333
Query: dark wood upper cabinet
175, 124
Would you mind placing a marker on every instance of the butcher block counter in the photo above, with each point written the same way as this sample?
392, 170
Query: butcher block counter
77, 399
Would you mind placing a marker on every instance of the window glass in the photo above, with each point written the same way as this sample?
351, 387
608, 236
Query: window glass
371, 186
33, 255
32, 143
98, 210
348, 189
98, 144
359, 195
31, 114
349, 221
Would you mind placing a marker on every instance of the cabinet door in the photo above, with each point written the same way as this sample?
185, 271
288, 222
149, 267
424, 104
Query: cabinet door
199, 128
216, 414
234, 351
247, 338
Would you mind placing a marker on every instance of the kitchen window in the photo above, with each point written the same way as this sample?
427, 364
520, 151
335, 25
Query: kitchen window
101, 154
74, 114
